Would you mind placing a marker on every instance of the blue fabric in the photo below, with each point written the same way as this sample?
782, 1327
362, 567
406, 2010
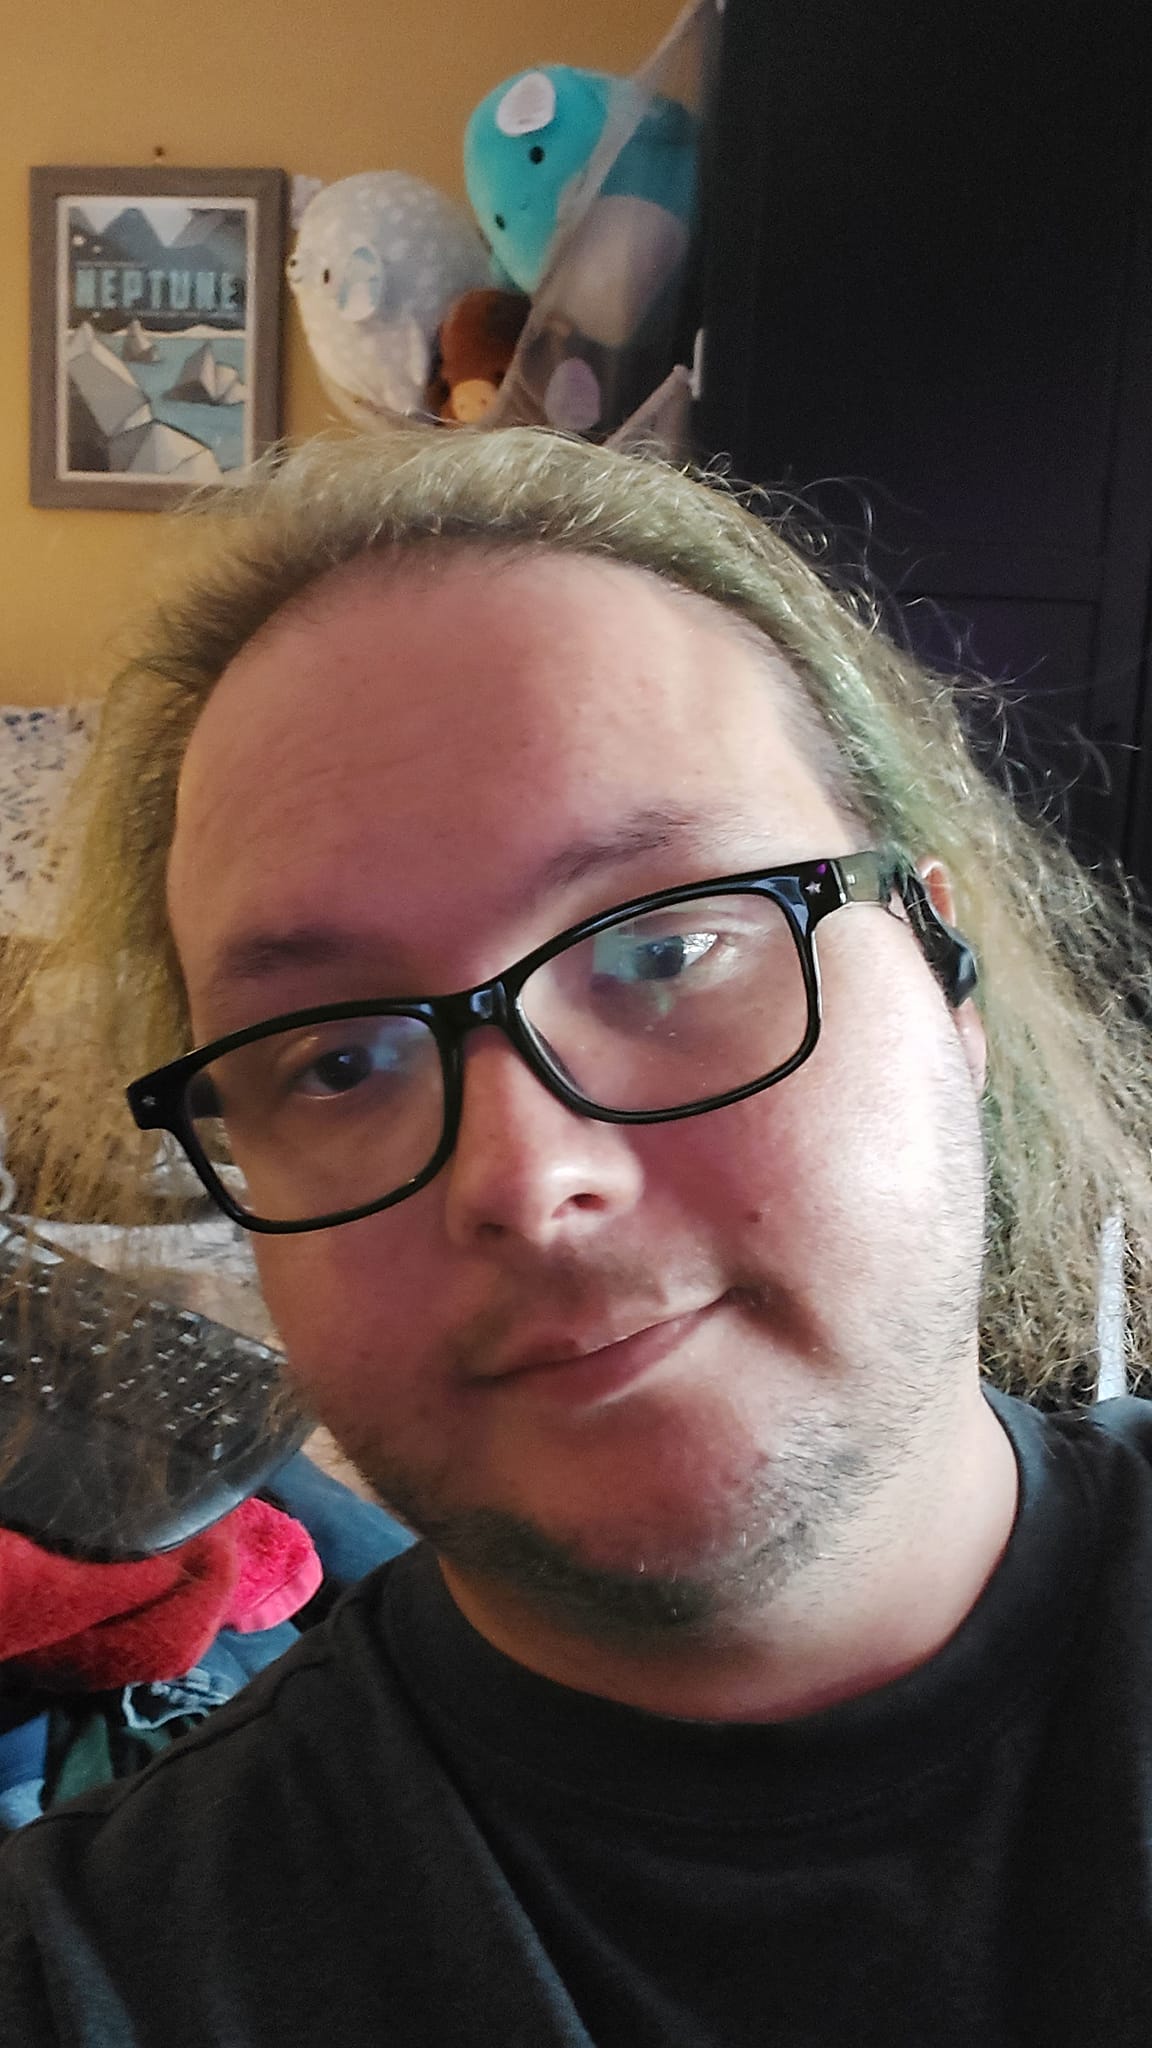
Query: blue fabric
23, 1752
235, 1658
20, 1805
153, 1704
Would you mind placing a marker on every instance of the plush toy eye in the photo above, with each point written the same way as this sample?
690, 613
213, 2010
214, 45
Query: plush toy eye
499, 220
325, 275
535, 154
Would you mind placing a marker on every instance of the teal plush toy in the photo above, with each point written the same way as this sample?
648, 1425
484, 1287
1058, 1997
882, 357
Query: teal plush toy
526, 151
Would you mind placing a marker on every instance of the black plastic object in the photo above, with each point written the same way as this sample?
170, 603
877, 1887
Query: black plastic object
127, 1425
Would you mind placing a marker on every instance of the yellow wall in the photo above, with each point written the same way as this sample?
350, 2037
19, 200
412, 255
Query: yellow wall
323, 87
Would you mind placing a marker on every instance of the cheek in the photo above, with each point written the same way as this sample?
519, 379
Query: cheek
832, 1161
351, 1300
893, 1117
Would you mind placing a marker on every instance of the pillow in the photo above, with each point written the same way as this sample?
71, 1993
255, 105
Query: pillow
41, 747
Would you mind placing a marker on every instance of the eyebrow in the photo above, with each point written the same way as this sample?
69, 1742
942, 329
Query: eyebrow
665, 829
257, 956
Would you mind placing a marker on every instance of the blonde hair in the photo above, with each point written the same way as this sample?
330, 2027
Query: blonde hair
1064, 967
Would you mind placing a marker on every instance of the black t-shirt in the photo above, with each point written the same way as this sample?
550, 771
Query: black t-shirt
397, 1836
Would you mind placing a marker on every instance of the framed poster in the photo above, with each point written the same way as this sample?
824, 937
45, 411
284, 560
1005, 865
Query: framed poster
155, 330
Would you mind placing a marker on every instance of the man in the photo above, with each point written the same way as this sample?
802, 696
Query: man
559, 892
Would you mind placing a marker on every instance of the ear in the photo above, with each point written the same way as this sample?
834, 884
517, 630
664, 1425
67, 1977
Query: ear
969, 1024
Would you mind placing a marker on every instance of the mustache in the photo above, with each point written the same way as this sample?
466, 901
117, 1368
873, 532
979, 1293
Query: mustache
583, 1290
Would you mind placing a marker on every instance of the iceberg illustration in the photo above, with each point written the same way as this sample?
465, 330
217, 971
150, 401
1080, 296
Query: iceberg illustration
204, 381
111, 425
137, 347
156, 450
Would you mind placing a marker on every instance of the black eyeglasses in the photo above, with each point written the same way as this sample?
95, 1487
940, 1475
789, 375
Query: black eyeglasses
671, 1005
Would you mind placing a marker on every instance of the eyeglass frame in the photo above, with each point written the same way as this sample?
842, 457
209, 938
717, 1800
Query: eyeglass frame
806, 892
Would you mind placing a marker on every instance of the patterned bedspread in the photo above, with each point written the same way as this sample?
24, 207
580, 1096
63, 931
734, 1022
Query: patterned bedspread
41, 747
204, 1265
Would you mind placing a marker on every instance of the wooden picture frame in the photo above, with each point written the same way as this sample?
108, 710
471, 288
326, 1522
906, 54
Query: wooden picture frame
155, 330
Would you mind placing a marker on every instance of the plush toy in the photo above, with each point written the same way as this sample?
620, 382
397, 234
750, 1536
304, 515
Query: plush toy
379, 259
477, 341
528, 147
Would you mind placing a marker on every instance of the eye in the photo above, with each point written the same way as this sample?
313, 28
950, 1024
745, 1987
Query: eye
662, 959
325, 275
535, 154
341, 1060
499, 220
334, 1073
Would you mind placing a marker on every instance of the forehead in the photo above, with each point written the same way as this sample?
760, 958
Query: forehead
398, 738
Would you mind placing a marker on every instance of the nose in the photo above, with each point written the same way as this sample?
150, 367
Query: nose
525, 1167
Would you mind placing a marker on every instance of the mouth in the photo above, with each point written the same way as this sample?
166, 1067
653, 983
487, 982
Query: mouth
567, 1370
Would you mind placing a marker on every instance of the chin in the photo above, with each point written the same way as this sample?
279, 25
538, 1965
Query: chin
633, 1586
621, 1559
638, 1535
681, 1516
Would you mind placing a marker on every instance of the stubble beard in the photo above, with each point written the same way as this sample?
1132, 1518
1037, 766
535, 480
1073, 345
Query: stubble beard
796, 1507
789, 1510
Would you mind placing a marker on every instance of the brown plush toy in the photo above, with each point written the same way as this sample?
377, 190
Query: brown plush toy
477, 341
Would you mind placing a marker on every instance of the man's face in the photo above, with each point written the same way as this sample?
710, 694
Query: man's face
423, 777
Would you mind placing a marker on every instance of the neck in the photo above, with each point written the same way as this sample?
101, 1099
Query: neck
879, 1605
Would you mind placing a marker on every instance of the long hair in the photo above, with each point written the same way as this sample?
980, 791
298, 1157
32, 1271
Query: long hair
1065, 982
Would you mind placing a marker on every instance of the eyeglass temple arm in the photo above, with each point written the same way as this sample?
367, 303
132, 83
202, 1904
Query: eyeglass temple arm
872, 877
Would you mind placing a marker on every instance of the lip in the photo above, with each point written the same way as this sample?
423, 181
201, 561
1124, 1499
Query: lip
568, 1373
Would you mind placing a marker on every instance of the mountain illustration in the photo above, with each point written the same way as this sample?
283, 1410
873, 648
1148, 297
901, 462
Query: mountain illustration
218, 234
214, 239
131, 238
204, 381
136, 346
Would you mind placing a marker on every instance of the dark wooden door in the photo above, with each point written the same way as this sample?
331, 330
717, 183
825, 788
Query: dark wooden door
928, 312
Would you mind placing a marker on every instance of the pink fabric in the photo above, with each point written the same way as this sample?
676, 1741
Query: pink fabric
279, 1569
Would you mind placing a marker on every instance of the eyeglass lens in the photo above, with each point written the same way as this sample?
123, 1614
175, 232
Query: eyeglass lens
660, 1011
